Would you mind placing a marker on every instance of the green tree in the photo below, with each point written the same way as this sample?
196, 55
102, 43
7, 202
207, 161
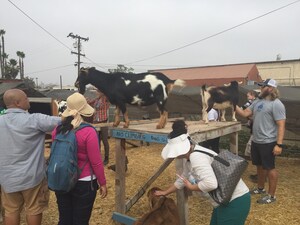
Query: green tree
29, 82
121, 69
21, 56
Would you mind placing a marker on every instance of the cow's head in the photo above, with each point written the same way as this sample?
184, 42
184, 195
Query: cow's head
82, 80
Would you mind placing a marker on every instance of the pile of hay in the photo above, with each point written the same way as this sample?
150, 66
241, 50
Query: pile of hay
144, 160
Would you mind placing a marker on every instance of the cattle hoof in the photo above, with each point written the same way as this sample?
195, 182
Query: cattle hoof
158, 126
125, 126
115, 125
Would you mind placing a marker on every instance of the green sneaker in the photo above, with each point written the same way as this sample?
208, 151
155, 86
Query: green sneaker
258, 191
266, 199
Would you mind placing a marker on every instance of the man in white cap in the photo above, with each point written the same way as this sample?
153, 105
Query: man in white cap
268, 131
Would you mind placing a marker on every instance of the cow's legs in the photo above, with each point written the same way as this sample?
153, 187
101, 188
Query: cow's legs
223, 111
233, 113
117, 117
162, 120
126, 119
204, 115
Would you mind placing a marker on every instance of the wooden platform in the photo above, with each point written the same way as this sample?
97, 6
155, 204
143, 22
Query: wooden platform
146, 131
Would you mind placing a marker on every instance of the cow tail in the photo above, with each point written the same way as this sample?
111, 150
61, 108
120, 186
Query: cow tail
177, 82
180, 83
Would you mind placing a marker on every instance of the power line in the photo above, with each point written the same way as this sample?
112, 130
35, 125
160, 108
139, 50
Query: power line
213, 35
44, 29
39, 25
41, 71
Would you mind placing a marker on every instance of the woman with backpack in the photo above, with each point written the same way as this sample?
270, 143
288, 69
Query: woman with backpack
75, 206
198, 176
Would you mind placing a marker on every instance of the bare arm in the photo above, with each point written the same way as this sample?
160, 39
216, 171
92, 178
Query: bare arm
170, 190
243, 112
280, 135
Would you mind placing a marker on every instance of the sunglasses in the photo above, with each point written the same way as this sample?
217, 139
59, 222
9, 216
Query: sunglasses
265, 86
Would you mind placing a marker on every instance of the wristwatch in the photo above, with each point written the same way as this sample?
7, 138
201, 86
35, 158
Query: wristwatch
279, 145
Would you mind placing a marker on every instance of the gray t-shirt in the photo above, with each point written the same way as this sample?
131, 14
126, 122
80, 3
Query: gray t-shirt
265, 115
22, 163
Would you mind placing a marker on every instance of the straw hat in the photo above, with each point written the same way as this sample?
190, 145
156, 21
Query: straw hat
176, 146
77, 103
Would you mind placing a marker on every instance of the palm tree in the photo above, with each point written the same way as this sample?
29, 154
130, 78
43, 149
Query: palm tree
11, 69
2, 52
21, 56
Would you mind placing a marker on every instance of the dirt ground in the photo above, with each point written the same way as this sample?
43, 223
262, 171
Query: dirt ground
144, 160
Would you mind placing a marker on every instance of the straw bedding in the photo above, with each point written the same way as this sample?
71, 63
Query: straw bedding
144, 160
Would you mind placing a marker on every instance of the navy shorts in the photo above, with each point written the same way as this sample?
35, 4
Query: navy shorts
262, 155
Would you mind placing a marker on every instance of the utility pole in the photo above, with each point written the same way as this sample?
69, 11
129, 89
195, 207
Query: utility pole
60, 81
77, 45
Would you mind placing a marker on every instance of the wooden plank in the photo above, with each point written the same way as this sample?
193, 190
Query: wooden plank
234, 142
123, 219
199, 131
182, 197
147, 184
120, 176
138, 135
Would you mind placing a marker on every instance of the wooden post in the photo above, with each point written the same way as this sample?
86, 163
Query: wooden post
120, 176
234, 141
182, 197
147, 184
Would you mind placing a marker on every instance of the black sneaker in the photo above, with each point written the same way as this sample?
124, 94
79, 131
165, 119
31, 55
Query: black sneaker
266, 199
258, 191
105, 162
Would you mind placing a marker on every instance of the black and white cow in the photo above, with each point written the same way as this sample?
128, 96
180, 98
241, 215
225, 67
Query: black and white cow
136, 89
61, 106
220, 98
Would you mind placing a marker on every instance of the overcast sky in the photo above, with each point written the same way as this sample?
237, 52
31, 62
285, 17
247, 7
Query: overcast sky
129, 31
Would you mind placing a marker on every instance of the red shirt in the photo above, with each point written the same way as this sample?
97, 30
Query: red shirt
101, 106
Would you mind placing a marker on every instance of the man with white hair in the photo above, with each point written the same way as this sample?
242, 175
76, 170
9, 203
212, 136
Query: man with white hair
269, 117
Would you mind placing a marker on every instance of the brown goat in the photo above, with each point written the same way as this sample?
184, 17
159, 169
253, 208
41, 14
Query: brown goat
163, 211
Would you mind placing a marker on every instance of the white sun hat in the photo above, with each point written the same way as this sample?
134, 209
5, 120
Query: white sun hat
177, 146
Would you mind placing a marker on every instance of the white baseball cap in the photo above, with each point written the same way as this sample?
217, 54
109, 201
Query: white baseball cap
268, 82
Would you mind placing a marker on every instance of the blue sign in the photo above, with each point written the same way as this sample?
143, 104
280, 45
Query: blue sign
146, 137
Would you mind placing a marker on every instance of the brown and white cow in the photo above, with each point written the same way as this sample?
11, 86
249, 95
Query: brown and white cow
220, 98
163, 211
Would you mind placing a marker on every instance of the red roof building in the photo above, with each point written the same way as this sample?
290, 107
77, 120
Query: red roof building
214, 75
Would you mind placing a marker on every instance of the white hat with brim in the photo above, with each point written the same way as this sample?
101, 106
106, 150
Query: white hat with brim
176, 146
78, 102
